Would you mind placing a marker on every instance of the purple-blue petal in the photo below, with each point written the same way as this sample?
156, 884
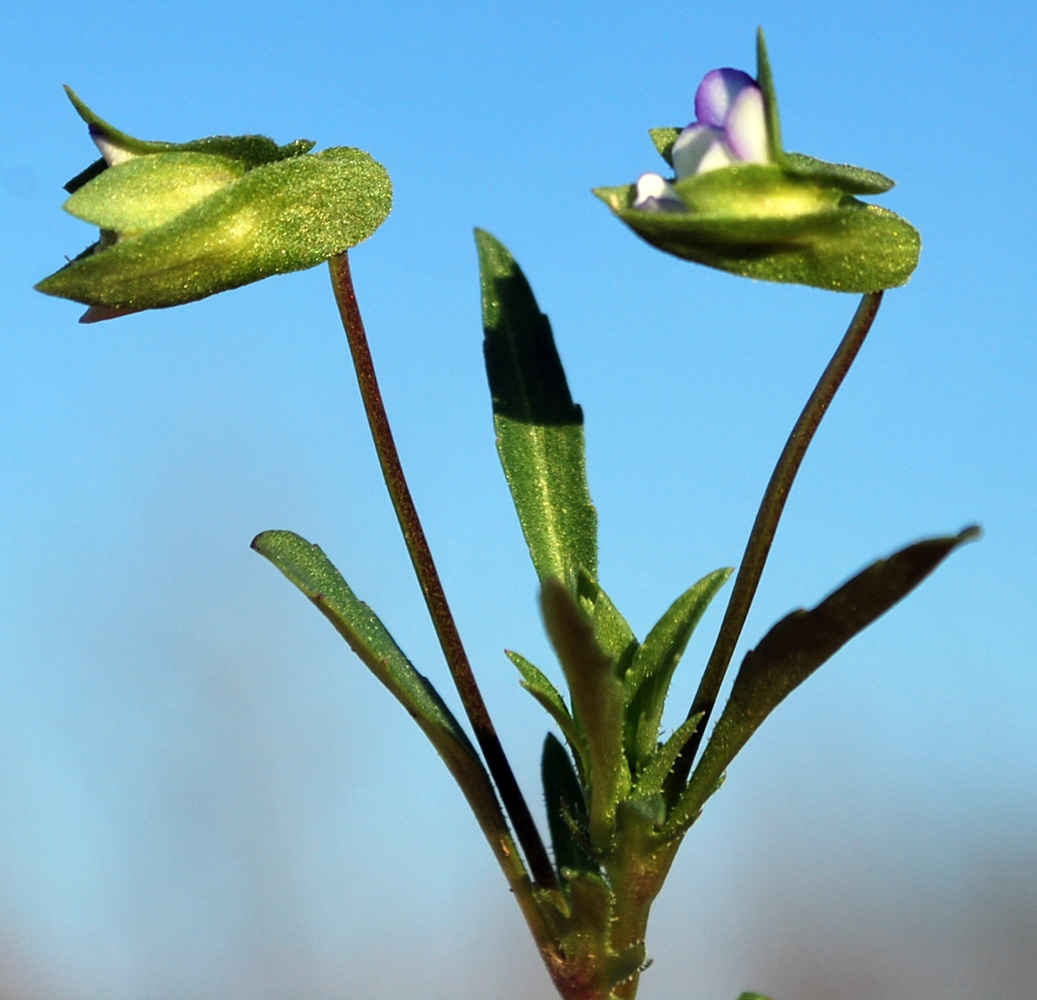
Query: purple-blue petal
717, 92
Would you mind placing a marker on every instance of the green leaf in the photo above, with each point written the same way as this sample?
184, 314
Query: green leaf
563, 798
657, 766
597, 697
611, 630
539, 428
797, 645
547, 694
285, 216
313, 573
648, 681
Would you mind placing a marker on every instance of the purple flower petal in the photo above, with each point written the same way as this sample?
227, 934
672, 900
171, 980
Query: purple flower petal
700, 148
746, 127
717, 92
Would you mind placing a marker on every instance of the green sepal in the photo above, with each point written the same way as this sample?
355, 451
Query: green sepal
149, 191
537, 684
663, 140
842, 176
765, 80
539, 428
284, 216
648, 681
819, 236
566, 811
752, 996
597, 699
251, 150
312, 572
800, 643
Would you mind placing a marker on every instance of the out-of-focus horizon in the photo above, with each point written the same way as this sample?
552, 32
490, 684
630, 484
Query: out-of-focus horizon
203, 794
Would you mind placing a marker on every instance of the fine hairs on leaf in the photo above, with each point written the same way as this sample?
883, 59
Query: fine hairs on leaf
539, 428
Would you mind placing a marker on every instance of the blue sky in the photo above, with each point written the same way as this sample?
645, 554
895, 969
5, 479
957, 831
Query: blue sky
203, 794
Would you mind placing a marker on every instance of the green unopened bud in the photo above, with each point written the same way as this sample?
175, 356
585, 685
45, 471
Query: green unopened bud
740, 203
180, 222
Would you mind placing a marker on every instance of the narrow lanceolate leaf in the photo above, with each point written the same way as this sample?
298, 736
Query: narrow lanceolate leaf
313, 573
534, 681
539, 428
648, 681
597, 696
797, 645
657, 767
611, 630
563, 799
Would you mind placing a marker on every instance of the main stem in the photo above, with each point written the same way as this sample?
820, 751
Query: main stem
428, 578
766, 523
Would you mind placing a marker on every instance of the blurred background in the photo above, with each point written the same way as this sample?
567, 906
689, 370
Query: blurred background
203, 794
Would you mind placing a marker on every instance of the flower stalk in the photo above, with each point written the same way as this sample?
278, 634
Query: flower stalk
766, 523
428, 578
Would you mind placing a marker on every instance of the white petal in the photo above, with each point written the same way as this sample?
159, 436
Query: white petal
700, 148
655, 194
747, 127
113, 154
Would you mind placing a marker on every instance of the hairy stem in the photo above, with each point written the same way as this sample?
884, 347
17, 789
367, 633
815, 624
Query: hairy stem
766, 523
428, 578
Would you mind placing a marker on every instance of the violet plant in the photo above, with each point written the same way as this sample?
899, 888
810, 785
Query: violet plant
180, 222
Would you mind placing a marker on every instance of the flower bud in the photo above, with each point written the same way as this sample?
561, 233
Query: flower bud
179, 222
740, 203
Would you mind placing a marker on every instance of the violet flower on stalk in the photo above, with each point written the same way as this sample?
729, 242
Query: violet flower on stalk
740, 203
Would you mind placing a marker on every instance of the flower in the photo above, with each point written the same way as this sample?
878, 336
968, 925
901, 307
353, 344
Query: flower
179, 222
731, 125
730, 128
739, 202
